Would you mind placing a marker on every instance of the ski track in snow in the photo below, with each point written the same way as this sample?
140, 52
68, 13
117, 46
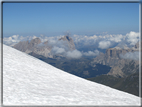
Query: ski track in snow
30, 81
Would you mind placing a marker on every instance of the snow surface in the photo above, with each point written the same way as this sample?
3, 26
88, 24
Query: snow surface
29, 81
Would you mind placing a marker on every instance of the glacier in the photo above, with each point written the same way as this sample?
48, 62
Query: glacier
30, 81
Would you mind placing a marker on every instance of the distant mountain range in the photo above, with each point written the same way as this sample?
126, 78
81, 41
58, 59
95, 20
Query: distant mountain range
110, 65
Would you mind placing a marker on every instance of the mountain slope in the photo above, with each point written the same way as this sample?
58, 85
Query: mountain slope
29, 81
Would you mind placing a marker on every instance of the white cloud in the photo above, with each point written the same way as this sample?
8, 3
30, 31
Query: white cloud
58, 50
15, 37
92, 37
116, 38
74, 54
34, 37
91, 53
52, 42
131, 55
132, 37
61, 44
11, 40
84, 40
104, 44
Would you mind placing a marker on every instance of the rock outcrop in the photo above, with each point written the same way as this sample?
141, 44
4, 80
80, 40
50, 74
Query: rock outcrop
34, 47
68, 41
26, 46
112, 58
22, 46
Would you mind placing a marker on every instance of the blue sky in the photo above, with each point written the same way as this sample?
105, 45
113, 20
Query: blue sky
79, 18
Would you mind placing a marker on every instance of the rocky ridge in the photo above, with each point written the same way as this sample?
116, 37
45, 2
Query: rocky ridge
27, 46
35, 46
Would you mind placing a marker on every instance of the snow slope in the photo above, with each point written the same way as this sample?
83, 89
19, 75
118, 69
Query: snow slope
29, 81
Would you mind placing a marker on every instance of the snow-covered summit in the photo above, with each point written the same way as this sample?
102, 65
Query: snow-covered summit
29, 81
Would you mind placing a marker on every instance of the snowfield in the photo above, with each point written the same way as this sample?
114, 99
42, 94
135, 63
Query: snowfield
30, 81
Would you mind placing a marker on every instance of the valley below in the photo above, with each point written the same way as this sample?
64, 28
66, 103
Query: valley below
80, 67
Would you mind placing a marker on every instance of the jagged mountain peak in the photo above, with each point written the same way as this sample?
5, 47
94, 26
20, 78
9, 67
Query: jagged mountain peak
66, 37
35, 41
69, 40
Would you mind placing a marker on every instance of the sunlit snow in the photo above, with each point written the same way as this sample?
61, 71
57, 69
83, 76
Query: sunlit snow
29, 81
